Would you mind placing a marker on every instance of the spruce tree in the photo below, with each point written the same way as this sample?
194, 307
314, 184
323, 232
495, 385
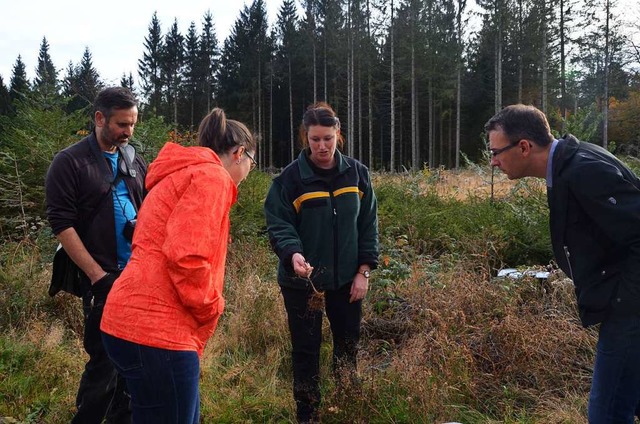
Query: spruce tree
192, 76
5, 99
149, 67
287, 23
46, 80
19, 86
82, 83
127, 81
209, 58
172, 65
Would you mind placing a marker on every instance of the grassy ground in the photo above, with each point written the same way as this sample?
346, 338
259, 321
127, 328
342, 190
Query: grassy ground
443, 339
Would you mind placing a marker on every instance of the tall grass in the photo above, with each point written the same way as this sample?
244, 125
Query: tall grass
443, 339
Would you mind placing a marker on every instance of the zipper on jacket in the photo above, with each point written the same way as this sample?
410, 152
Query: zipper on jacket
335, 239
567, 255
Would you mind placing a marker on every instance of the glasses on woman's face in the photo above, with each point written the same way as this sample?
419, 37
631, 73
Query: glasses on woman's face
253, 161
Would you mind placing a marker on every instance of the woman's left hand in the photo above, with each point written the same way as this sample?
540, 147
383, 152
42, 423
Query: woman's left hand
359, 288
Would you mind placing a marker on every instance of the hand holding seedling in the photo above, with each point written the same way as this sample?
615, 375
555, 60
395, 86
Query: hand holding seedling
301, 267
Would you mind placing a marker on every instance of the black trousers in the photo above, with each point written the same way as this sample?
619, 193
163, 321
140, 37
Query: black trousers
102, 393
306, 336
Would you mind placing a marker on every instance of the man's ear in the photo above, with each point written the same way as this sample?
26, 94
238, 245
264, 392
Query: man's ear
526, 146
100, 119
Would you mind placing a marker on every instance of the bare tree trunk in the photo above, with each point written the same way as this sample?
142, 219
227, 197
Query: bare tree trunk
461, 5
175, 110
392, 159
260, 129
293, 141
440, 122
545, 67
431, 126
450, 141
414, 138
498, 59
605, 111
563, 77
370, 93
498, 74
349, 81
271, 115
520, 41
326, 90
315, 74
360, 147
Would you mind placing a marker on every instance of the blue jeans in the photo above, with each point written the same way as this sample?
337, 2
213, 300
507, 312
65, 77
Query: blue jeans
615, 390
163, 384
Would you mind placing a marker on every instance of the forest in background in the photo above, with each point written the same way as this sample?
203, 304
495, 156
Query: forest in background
413, 81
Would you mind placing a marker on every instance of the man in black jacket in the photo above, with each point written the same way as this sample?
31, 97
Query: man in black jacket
94, 189
594, 203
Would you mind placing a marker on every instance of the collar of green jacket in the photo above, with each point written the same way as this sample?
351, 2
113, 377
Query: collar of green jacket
307, 174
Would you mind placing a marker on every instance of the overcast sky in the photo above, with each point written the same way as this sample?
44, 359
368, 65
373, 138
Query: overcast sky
113, 30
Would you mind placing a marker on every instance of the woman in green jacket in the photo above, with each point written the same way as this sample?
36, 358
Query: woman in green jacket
322, 220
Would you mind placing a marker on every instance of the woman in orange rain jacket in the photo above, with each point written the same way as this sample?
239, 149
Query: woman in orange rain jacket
164, 307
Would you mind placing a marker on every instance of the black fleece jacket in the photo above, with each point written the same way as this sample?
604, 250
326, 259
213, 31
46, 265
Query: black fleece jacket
78, 195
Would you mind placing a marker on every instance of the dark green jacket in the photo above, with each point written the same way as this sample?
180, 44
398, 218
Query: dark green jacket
595, 228
333, 224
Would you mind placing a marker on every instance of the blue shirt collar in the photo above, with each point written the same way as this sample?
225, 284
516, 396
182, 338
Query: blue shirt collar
550, 163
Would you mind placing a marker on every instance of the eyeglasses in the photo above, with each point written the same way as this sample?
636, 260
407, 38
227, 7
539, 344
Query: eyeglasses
253, 161
496, 152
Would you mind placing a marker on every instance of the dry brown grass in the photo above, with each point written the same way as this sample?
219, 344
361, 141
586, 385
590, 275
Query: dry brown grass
459, 184
493, 345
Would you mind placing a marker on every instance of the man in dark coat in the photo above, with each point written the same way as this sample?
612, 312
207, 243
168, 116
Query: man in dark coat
94, 189
594, 203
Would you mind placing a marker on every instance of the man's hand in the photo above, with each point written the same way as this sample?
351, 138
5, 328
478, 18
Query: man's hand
301, 267
78, 253
102, 287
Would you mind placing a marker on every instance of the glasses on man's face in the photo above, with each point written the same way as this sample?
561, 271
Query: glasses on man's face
496, 152
253, 161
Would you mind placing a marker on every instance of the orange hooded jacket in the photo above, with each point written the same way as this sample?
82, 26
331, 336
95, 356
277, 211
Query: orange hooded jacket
170, 294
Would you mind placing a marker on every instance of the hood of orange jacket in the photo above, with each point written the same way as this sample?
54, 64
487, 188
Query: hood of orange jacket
174, 157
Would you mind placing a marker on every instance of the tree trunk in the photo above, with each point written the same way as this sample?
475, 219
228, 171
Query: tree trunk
545, 67
520, 41
498, 59
563, 77
431, 126
326, 91
459, 81
360, 147
271, 115
369, 93
315, 74
414, 138
605, 103
293, 141
260, 129
392, 158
